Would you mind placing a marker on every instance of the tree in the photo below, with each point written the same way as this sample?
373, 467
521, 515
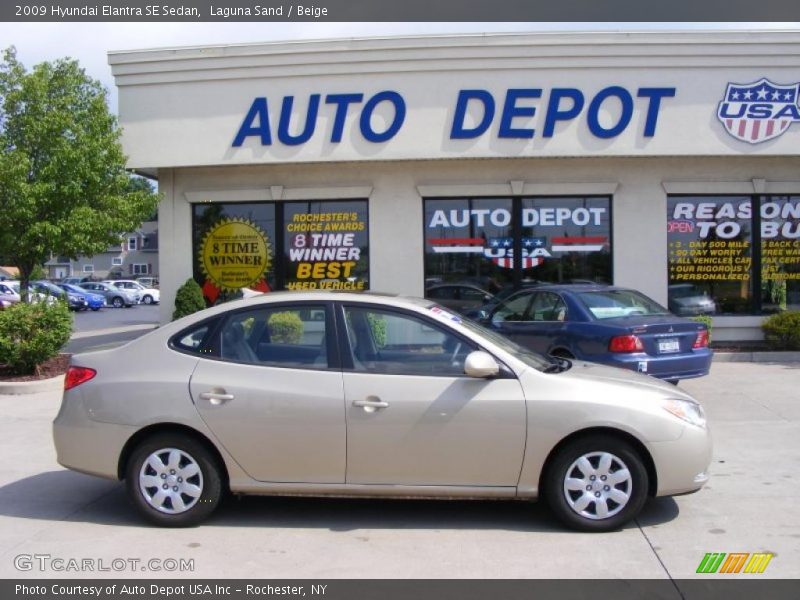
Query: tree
63, 183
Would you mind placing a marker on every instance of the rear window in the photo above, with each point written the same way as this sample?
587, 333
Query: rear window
612, 304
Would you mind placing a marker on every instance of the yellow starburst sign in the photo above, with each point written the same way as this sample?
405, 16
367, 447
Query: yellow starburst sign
234, 254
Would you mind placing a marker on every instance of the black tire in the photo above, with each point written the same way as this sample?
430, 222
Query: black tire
593, 446
96, 309
148, 299
561, 353
209, 481
117, 302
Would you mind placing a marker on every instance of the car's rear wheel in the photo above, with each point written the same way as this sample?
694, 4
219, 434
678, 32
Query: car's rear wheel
173, 480
561, 353
117, 302
596, 483
147, 299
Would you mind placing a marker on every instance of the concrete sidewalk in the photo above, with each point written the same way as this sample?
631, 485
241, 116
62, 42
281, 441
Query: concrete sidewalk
748, 506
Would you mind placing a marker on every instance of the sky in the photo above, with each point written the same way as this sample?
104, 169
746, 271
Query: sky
90, 42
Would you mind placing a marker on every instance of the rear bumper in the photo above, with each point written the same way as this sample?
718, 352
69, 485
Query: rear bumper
670, 367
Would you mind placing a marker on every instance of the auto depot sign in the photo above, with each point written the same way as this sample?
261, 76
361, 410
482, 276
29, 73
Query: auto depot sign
458, 98
516, 113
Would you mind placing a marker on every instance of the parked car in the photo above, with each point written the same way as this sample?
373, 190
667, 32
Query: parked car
147, 295
603, 324
148, 282
114, 296
686, 299
8, 294
370, 395
33, 295
91, 300
48, 288
460, 297
77, 280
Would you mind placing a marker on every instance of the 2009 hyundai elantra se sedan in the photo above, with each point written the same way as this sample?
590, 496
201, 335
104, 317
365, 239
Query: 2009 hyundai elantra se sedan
326, 393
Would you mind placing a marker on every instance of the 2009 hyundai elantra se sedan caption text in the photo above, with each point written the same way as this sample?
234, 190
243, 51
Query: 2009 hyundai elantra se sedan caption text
326, 393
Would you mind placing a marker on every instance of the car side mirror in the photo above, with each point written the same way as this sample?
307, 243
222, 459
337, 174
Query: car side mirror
481, 365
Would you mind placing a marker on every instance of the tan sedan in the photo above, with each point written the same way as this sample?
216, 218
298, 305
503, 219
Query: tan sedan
371, 395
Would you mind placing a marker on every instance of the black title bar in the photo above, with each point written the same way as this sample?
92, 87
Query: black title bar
408, 10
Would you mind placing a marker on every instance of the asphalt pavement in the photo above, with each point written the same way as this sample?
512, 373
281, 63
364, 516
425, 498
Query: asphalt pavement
748, 506
110, 327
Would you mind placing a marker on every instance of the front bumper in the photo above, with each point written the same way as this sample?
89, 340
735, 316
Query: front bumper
682, 465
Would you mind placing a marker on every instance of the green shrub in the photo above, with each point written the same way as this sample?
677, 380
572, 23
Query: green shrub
782, 330
30, 334
706, 320
285, 328
188, 300
378, 326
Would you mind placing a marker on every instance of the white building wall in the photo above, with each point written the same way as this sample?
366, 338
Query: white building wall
396, 214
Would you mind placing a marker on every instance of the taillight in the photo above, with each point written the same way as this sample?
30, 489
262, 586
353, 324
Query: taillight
625, 343
76, 376
702, 339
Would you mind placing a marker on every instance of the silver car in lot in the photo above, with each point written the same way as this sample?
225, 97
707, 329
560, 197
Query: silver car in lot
115, 297
329, 393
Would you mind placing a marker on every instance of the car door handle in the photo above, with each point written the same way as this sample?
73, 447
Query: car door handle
217, 396
370, 405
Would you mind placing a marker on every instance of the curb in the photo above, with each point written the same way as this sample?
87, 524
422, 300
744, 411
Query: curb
757, 357
19, 388
112, 330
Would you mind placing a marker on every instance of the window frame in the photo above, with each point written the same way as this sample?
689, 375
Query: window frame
132, 247
88, 268
211, 346
346, 350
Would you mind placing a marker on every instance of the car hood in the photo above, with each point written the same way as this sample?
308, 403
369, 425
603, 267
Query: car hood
584, 373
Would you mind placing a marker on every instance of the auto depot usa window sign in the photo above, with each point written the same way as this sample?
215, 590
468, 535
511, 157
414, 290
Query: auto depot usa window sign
752, 112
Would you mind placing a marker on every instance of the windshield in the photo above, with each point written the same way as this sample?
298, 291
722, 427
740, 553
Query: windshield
530, 358
612, 304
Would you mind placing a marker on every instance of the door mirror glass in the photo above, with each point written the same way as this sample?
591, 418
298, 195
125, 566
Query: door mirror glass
481, 365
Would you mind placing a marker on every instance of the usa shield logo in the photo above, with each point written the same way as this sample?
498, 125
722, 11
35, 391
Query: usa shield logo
759, 111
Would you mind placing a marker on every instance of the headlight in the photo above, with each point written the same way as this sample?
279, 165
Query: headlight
689, 411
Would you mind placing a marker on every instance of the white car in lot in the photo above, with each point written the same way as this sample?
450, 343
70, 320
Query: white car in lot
147, 295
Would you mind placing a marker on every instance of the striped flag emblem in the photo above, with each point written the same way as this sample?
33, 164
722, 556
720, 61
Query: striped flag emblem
759, 111
578, 244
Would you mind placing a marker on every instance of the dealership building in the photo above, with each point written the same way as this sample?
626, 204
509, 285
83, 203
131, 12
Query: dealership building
664, 161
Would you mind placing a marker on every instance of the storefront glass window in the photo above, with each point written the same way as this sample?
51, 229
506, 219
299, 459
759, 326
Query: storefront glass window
780, 253
576, 235
710, 248
326, 245
267, 246
473, 241
469, 241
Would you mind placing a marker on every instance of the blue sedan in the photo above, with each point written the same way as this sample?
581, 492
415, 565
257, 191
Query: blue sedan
93, 301
610, 325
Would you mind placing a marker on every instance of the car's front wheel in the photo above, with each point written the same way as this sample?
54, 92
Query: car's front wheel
147, 299
173, 480
117, 302
596, 483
